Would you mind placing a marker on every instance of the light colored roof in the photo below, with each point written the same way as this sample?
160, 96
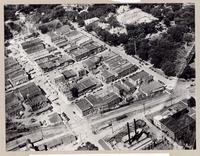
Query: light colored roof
135, 16
91, 20
150, 87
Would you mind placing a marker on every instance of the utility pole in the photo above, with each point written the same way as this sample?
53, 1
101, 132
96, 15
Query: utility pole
144, 108
171, 97
112, 127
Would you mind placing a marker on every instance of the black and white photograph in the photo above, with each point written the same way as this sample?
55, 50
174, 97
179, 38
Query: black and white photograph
99, 77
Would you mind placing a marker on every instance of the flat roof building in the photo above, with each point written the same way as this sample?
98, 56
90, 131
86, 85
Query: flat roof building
151, 88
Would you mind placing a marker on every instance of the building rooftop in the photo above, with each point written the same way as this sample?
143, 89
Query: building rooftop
69, 73
120, 86
79, 52
106, 74
30, 89
91, 20
85, 84
115, 62
91, 46
96, 100
125, 67
63, 30
140, 75
177, 124
150, 87
129, 84
83, 104
31, 43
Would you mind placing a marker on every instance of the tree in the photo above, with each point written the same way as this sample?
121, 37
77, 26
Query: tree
169, 68
81, 23
74, 92
113, 21
129, 48
166, 22
7, 33
191, 102
177, 32
89, 27
43, 29
188, 73
123, 38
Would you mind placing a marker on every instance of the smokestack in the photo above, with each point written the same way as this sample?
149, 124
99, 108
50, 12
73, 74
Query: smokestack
135, 126
129, 136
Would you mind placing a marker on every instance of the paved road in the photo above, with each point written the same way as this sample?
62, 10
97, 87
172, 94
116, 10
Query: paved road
81, 126
104, 145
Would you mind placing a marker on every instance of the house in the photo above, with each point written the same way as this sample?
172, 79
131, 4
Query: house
84, 107
151, 88
91, 20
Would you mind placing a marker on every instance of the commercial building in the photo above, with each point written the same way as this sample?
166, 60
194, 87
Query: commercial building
29, 90
84, 107
107, 76
86, 51
119, 66
91, 63
13, 104
140, 77
83, 41
14, 74
69, 74
151, 88
174, 110
125, 70
93, 103
120, 89
86, 85
179, 126
18, 78
129, 85
105, 102
31, 43
34, 97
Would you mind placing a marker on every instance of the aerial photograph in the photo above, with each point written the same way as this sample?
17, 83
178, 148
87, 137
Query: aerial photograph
100, 77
